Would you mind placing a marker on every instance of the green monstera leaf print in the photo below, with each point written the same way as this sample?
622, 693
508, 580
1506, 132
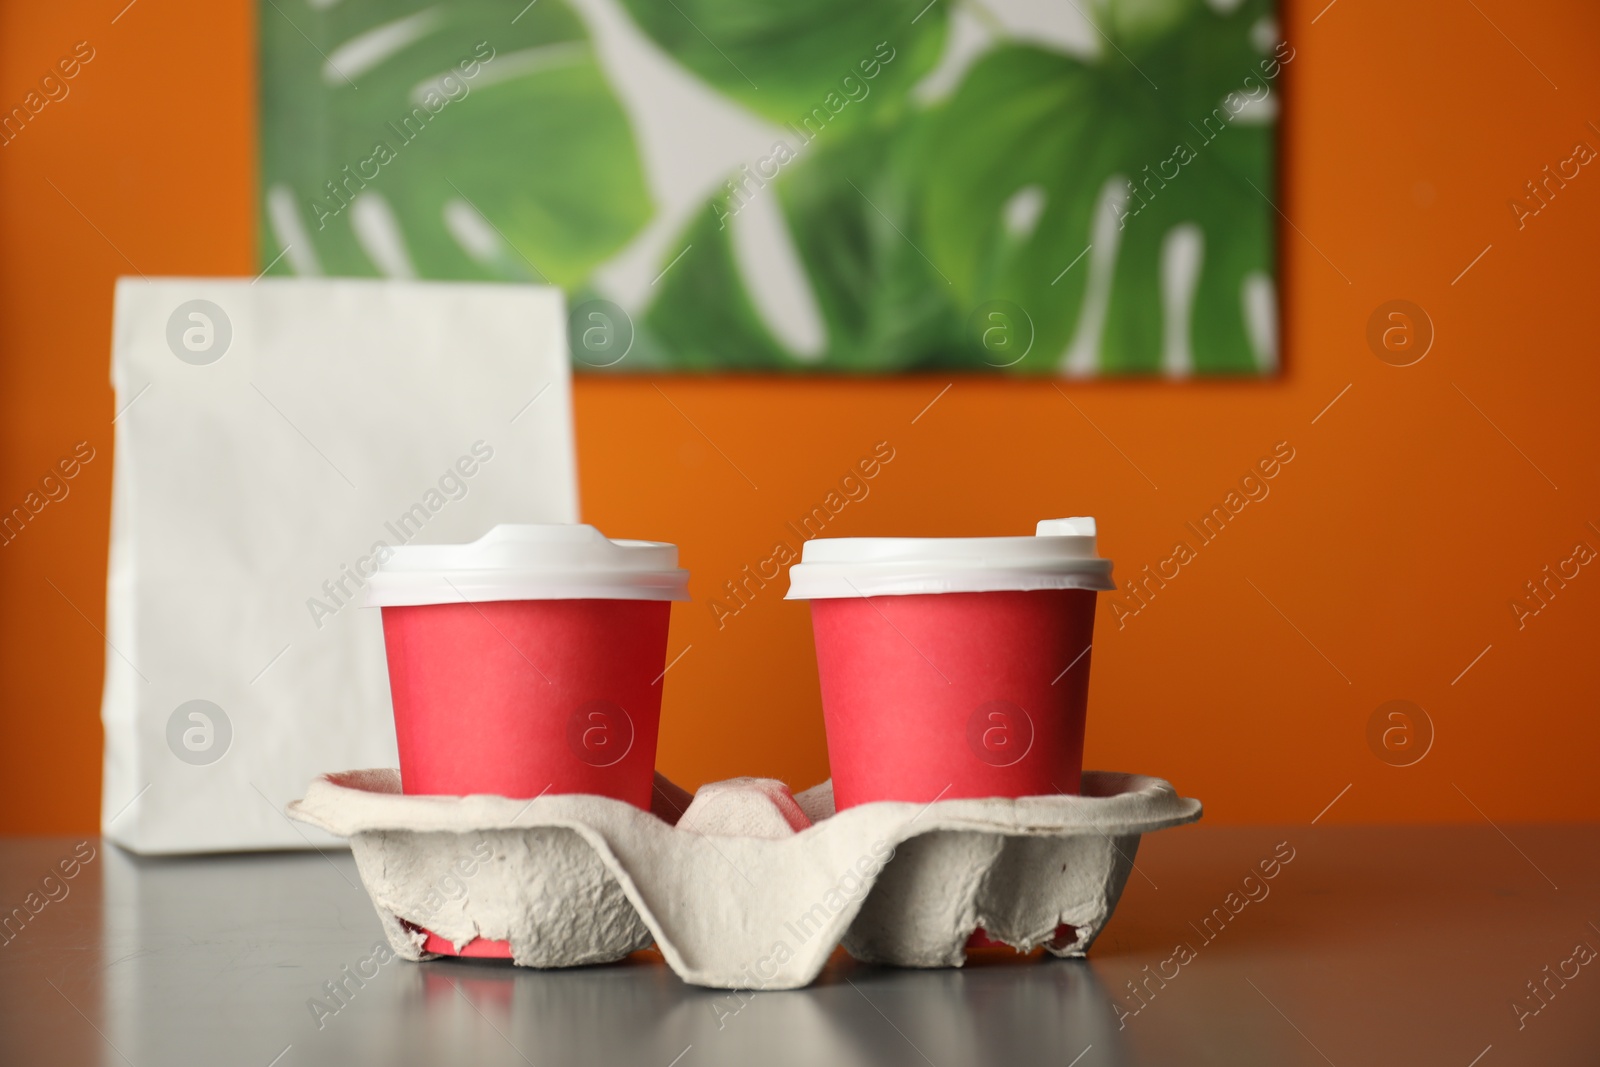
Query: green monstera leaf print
883, 305
448, 140
1168, 160
956, 173
913, 222
782, 59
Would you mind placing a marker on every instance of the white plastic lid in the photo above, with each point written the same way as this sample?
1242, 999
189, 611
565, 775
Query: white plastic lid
530, 562
1060, 556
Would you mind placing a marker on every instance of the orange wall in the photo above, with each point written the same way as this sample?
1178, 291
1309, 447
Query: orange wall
1394, 541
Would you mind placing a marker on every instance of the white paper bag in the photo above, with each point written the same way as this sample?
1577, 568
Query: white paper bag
273, 440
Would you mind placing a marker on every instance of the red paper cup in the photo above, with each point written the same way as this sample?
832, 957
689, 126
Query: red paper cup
528, 662
953, 667
524, 697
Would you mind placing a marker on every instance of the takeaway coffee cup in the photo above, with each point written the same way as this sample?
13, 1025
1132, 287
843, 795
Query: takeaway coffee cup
528, 661
953, 667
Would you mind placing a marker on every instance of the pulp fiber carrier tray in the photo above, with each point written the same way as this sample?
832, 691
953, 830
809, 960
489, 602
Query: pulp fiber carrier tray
742, 885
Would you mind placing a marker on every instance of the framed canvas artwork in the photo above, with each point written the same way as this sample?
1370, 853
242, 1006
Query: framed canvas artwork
1048, 187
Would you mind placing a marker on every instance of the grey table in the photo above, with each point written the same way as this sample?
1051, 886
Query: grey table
1369, 946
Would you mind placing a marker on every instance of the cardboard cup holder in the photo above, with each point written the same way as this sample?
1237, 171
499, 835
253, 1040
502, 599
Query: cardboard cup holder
953, 670
743, 885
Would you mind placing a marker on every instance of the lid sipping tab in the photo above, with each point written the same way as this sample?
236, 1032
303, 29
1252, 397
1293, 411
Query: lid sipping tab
1078, 526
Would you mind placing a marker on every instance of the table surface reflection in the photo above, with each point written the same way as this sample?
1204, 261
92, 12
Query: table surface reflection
1391, 945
